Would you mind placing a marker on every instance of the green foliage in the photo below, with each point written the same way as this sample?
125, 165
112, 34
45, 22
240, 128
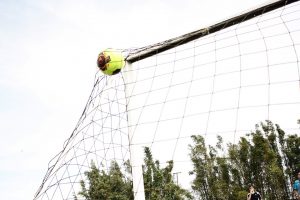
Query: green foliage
107, 186
267, 158
114, 185
158, 182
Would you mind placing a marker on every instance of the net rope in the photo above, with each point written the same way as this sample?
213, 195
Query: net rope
219, 84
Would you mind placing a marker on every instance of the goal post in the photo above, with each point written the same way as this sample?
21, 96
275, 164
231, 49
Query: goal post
217, 81
136, 154
151, 50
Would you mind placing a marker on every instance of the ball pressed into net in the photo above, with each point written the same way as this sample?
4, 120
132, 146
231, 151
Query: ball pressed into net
110, 61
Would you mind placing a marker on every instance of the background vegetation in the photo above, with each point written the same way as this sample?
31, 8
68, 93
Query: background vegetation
266, 158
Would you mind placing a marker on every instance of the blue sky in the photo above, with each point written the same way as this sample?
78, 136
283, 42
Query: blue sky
47, 65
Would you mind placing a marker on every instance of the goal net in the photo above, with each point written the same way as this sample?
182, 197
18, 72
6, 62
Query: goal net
221, 80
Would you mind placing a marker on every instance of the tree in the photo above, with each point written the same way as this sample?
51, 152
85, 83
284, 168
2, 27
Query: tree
268, 158
112, 185
292, 153
158, 182
199, 157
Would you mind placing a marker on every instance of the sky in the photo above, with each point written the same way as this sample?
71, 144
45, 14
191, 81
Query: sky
47, 66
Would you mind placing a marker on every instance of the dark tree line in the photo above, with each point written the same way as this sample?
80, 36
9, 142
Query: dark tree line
116, 185
102, 185
266, 158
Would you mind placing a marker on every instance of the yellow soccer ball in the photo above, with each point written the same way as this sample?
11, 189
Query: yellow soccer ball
110, 61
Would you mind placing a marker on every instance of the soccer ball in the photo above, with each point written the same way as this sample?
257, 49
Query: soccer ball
110, 61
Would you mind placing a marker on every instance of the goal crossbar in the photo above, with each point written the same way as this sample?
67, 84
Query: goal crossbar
160, 47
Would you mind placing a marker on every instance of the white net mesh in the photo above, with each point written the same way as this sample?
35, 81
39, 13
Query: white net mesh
221, 84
